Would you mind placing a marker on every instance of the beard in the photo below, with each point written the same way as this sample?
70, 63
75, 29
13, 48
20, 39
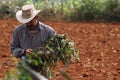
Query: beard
32, 27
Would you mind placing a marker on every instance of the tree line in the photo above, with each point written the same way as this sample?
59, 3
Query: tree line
67, 10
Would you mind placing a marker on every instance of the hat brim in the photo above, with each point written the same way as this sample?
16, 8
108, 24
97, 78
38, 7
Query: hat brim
25, 20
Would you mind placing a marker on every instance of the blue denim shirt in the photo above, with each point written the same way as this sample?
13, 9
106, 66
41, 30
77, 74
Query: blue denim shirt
22, 38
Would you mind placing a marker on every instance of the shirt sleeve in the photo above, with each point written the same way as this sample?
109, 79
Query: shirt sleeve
51, 32
16, 50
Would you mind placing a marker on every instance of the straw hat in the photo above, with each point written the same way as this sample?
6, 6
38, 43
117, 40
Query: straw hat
27, 13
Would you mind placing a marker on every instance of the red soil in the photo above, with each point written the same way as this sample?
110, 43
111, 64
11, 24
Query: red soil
99, 45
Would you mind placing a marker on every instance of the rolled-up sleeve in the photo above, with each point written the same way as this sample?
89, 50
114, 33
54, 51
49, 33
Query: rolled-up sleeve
51, 32
16, 50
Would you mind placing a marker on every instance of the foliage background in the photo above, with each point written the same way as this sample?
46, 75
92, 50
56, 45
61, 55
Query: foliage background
66, 10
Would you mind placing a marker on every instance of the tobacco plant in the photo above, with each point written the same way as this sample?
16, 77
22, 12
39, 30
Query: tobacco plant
56, 48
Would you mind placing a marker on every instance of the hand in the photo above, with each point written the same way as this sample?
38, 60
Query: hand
28, 50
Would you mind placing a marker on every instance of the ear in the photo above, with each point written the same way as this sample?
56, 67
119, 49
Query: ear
36, 17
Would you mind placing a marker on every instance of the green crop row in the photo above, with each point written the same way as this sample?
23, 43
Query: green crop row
67, 10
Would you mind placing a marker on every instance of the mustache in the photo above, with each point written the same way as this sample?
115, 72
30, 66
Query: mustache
30, 25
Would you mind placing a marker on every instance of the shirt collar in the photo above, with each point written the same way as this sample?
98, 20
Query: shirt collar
40, 26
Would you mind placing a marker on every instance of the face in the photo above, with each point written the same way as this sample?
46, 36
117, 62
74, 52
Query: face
33, 22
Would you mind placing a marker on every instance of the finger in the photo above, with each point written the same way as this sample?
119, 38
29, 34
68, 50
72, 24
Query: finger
29, 50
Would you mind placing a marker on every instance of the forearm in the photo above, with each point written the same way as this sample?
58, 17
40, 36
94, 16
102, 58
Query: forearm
18, 52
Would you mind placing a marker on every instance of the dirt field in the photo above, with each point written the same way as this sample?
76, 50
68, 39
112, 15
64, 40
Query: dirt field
99, 45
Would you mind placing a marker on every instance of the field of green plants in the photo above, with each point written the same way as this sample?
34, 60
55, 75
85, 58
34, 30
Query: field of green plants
67, 10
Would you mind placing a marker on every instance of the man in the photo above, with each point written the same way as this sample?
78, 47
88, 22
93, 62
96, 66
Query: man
31, 34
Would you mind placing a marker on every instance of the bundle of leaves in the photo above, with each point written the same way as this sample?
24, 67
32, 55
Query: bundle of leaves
56, 48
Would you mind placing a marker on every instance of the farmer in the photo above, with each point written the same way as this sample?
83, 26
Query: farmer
31, 34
